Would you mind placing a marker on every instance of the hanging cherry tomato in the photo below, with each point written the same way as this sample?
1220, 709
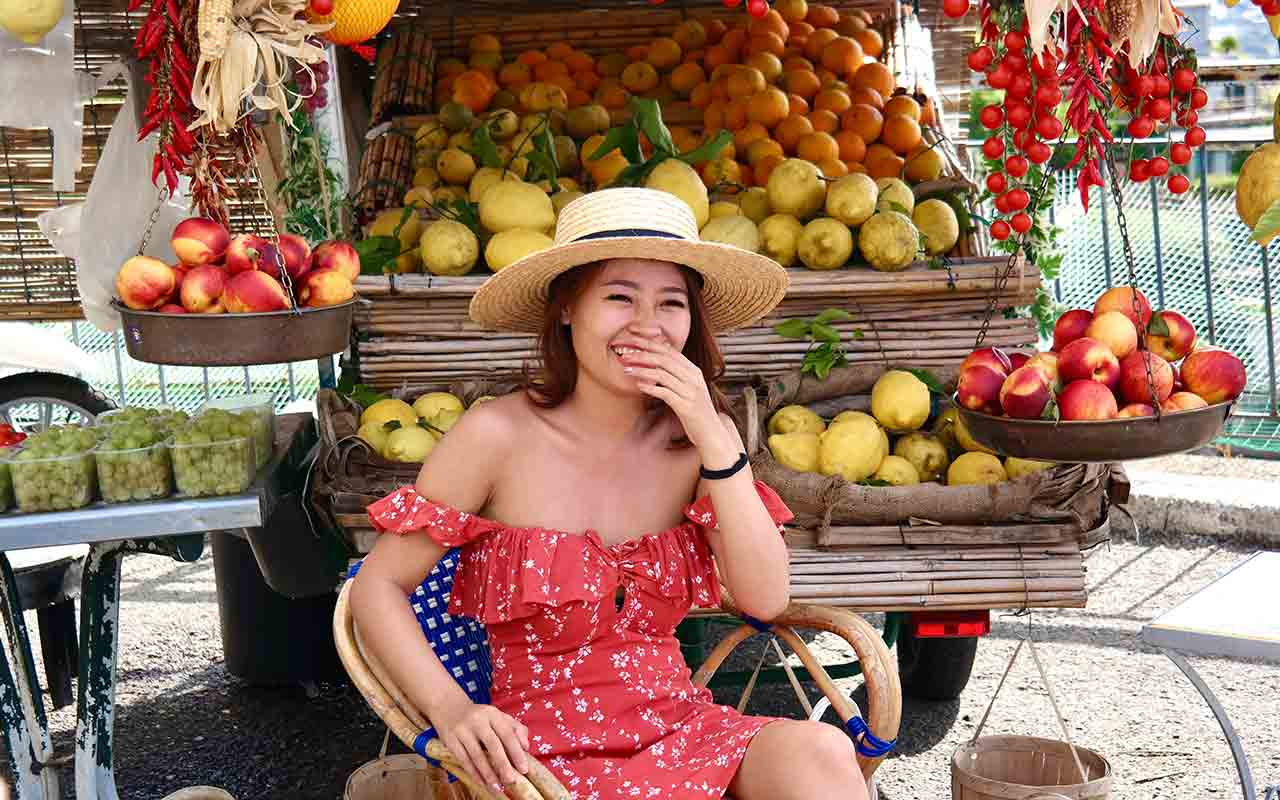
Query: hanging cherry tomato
732, 3
993, 147
1158, 166
1014, 40
1138, 171
1020, 222
1184, 80
1178, 184
1188, 118
1016, 61
1195, 136
1018, 199
1019, 114
991, 117
981, 58
1199, 97
1048, 95
1000, 230
1021, 85
1159, 86
1039, 152
1179, 153
955, 8
1141, 126
1049, 126
1000, 78
996, 183
757, 8
1016, 166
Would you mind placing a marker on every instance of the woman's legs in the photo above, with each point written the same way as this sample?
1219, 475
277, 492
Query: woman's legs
799, 760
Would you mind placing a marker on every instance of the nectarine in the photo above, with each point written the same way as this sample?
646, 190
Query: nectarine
1170, 335
1087, 400
199, 241
1089, 359
1115, 330
1134, 385
1026, 393
144, 283
1214, 374
1070, 326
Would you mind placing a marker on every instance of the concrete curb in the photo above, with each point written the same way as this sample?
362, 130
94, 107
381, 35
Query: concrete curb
1242, 510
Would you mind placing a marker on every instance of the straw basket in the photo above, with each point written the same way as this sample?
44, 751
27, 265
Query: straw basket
1027, 767
406, 776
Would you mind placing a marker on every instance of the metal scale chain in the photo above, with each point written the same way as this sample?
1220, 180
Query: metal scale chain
284, 273
151, 222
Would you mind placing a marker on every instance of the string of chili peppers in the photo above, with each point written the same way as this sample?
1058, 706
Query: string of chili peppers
168, 110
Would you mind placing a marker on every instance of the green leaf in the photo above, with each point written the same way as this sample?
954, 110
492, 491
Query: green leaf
708, 150
546, 167
1157, 326
1051, 411
392, 425
792, 329
648, 116
873, 482
483, 148
928, 379
376, 252
404, 217
825, 333
612, 141
832, 315
632, 175
859, 335
899, 207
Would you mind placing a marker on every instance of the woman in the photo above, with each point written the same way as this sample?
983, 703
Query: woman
599, 552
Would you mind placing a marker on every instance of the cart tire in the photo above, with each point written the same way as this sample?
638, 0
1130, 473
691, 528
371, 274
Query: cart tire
72, 391
934, 669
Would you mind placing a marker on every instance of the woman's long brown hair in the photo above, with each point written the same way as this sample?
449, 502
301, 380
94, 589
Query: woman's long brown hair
556, 373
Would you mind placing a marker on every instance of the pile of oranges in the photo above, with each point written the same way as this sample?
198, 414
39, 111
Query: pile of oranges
799, 81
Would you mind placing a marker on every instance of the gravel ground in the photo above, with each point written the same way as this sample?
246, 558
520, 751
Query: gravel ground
1215, 466
183, 720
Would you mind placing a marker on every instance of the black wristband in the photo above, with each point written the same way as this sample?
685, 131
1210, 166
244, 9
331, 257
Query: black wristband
718, 474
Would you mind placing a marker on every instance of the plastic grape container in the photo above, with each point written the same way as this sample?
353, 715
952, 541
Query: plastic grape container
134, 464
6, 479
166, 419
259, 411
213, 457
55, 470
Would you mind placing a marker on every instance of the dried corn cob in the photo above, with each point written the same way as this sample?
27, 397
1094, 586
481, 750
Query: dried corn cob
213, 24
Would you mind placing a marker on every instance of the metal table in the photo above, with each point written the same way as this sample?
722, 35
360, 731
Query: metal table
174, 527
1225, 618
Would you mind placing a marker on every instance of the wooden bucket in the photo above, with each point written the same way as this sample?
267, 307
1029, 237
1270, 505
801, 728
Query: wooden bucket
1027, 767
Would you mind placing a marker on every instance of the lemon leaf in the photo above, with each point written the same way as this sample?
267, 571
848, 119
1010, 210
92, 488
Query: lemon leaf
792, 329
928, 379
825, 332
648, 116
708, 150
833, 315
1268, 224
1157, 326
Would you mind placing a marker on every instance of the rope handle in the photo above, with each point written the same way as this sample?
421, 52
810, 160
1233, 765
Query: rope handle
753, 420
1053, 700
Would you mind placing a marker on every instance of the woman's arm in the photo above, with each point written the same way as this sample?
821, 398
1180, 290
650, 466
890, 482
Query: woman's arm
752, 556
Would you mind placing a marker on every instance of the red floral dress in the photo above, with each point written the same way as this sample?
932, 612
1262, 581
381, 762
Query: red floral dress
605, 693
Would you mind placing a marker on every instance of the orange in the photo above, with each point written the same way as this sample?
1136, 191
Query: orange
792, 10
564, 82
863, 120
580, 62
612, 65
717, 56
686, 77
772, 21
870, 97
768, 107
902, 104
684, 139
798, 105
832, 168
514, 74
720, 89
611, 94
663, 54
606, 169
852, 147
579, 97
639, 76
850, 24
821, 16
875, 75
901, 133
817, 41
843, 56
734, 40
746, 176
700, 97
770, 65
766, 42
586, 81
559, 50
484, 42
636, 52
694, 56
763, 148
790, 130
856, 166
826, 77
474, 90
748, 134
488, 61
715, 29
793, 63
833, 100
763, 168
871, 41
735, 114
881, 162
802, 82
531, 58
817, 146
825, 121
690, 35
928, 116
721, 171
746, 81
801, 30
549, 69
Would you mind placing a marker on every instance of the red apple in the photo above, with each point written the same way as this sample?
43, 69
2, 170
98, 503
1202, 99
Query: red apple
203, 288
1087, 400
296, 253
993, 357
171, 308
1182, 401
336, 255
1025, 393
979, 388
1120, 299
326, 287
1116, 331
199, 241
1070, 326
1018, 359
1047, 363
1137, 410
246, 252
145, 283
1134, 386
1089, 359
1170, 335
254, 291
1214, 374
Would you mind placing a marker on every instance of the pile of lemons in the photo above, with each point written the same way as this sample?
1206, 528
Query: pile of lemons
399, 431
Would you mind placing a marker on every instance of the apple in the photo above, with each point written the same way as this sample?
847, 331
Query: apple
144, 283
254, 291
336, 255
1070, 326
1116, 331
199, 241
1087, 400
979, 388
993, 357
1214, 374
1134, 386
1182, 401
1026, 393
171, 308
203, 288
327, 287
246, 252
1018, 359
1089, 359
296, 253
1048, 363
1170, 336
1120, 299
1137, 410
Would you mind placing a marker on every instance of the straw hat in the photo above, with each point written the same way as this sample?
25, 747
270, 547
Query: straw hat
739, 287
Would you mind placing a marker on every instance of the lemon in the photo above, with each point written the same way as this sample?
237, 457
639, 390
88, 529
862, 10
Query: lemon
900, 401
825, 243
426, 178
448, 248
508, 247
926, 453
444, 421
485, 178
796, 188
897, 471
893, 194
1018, 467
375, 435
516, 204
937, 221
418, 197
754, 204
502, 124
796, 419
965, 440
852, 449
449, 194
563, 198
780, 237
849, 416
924, 164
674, 176
566, 156
432, 135
852, 199
386, 410
584, 121
944, 427
455, 166
1259, 185
736, 230
888, 241
428, 405
724, 208
410, 231
409, 444
976, 469
797, 450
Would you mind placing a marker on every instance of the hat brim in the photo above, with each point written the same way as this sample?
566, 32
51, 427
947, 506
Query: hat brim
739, 287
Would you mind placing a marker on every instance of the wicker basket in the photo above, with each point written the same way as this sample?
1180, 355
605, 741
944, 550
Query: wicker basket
407, 776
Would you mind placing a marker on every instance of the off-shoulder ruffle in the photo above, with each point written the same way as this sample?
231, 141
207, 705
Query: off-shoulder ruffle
406, 511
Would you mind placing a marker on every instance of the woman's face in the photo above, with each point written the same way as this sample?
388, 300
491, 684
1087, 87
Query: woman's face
630, 301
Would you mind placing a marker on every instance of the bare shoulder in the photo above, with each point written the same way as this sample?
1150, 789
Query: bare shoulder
465, 464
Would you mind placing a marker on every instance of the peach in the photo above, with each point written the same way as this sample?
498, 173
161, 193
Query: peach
1182, 401
1089, 359
979, 388
993, 357
254, 291
1170, 335
1116, 331
199, 241
1070, 326
1136, 410
1087, 400
1017, 360
1134, 386
246, 252
327, 287
203, 288
296, 253
1120, 299
171, 308
1048, 363
144, 283
340, 256
1026, 393
1214, 374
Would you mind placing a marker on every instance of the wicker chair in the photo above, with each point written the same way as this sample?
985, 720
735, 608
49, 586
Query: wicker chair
462, 647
